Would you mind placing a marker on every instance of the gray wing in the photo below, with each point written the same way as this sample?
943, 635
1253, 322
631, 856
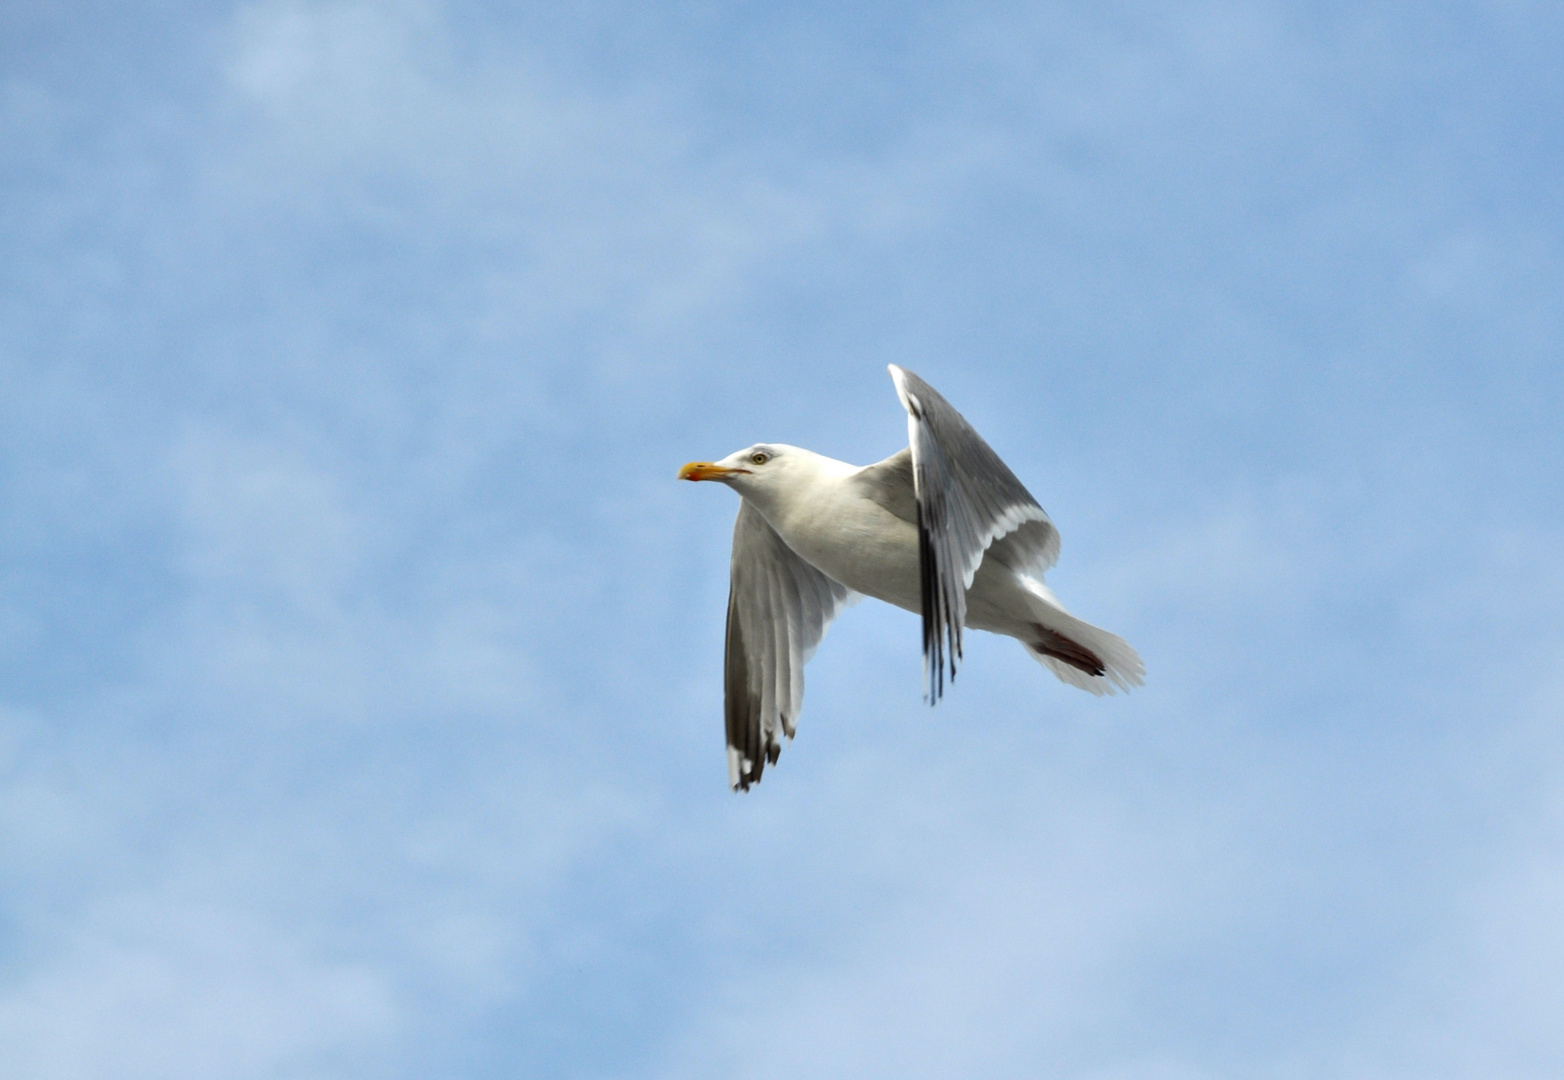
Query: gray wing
966, 499
778, 610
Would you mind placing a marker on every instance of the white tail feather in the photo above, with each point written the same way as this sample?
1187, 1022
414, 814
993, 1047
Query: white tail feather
1122, 665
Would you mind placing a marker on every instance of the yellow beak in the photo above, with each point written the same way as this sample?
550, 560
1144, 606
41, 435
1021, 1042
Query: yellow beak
705, 470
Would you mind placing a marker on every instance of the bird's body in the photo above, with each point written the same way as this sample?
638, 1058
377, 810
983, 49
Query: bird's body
829, 516
825, 516
941, 528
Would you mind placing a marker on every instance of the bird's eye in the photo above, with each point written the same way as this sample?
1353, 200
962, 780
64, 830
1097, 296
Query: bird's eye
759, 457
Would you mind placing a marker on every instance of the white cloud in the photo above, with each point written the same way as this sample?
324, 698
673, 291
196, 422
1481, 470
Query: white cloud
157, 986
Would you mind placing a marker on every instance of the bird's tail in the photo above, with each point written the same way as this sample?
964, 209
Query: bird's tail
1077, 652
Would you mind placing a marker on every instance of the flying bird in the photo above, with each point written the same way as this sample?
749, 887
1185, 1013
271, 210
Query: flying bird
942, 528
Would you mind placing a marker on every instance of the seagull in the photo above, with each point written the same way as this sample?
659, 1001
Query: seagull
942, 528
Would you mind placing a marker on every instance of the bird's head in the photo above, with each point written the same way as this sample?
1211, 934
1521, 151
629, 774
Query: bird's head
750, 470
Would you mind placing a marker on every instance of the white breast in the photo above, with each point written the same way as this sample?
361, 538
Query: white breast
851, 538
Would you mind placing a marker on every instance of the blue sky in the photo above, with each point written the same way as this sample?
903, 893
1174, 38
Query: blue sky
360, 657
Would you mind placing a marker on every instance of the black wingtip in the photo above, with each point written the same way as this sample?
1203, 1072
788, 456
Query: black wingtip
941, 637
933, 661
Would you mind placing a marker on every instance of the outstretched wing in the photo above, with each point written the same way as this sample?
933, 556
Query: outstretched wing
778, 610
967, 498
